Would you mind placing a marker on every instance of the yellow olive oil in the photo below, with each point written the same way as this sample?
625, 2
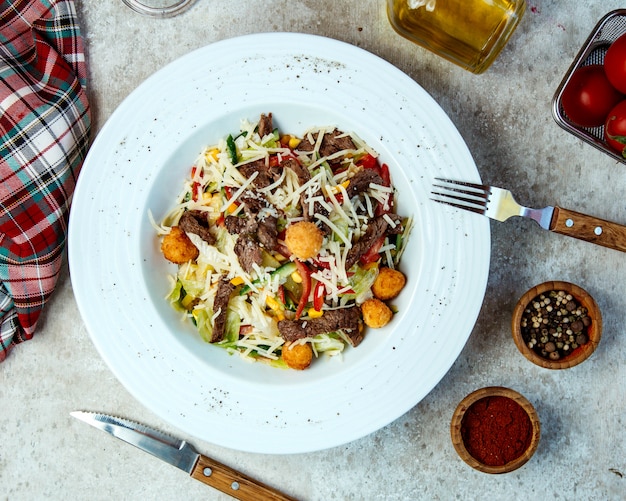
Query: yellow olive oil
470, 33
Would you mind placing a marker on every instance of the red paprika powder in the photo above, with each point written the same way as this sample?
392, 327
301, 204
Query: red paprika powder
496, 430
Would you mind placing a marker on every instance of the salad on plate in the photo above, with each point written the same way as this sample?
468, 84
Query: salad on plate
287, 248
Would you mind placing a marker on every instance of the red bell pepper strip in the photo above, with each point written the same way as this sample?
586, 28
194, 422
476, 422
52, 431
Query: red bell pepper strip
384, 173
195, 185
305, 273
321, 265
274, 162
220, 220
195, 191
380, 207
245, 329
339, 198
318, 296
372, 255
288, 156
368, 162
229, 191
228, 194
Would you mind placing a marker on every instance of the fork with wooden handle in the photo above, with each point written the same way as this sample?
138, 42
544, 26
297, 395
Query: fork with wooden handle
499, 204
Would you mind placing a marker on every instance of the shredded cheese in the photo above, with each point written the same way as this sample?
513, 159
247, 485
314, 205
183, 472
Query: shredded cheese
259, 309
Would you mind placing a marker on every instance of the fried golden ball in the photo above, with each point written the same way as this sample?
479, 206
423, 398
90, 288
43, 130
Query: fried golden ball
304, 239
376, 314
177, 247
388, 284
297, 356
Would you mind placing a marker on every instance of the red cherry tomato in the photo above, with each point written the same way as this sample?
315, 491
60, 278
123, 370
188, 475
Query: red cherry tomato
318, 296
589, 96
615, 64
615, 128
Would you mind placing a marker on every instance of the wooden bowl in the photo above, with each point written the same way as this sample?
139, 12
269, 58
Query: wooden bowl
457, 435
577, 355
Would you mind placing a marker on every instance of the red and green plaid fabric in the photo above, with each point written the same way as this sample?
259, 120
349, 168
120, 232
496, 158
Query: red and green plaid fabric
44, 137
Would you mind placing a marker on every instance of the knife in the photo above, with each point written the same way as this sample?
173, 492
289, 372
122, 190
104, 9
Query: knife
181, 454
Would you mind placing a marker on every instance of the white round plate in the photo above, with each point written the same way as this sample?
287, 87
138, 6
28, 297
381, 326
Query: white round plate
137, 164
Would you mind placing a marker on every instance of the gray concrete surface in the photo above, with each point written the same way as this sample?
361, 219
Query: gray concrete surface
504, 116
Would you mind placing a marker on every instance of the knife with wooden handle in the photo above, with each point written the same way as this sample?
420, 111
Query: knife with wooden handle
181, 454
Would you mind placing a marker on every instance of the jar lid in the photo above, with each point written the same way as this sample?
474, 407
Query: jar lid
158, 8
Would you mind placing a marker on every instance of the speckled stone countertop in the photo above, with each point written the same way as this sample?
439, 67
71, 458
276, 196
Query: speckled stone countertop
505, 117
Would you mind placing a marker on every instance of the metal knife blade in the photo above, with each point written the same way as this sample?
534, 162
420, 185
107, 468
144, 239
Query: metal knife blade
181, 454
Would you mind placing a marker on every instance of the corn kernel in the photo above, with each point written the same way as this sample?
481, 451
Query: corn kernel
212, 155
294, 142
272, 303
335, 189
313, 313
236, 281
295, 276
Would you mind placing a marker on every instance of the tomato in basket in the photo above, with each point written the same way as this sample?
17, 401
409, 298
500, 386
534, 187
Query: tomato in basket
589, 96
615, 128
615, 64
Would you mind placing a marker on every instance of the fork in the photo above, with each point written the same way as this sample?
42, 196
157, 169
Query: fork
499, 204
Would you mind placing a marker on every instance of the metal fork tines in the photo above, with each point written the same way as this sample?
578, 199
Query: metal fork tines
495, 203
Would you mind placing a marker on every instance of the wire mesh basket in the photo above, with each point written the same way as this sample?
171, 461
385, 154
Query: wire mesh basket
609, 29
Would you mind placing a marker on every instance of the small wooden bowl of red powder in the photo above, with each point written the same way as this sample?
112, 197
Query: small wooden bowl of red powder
495, 430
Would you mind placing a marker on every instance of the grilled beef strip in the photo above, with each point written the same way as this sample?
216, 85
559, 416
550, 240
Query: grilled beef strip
220, 306
398, 228
267, 175
376, 228
267, 232
254, 201
331, 143
248, 252
247, 223
355, 336
360, 182
258, 223
264, 228
345, 319
265, 125
237, 225
196, 221
304, 176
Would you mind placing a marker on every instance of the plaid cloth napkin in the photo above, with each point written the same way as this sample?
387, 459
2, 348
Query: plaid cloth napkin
44, 137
